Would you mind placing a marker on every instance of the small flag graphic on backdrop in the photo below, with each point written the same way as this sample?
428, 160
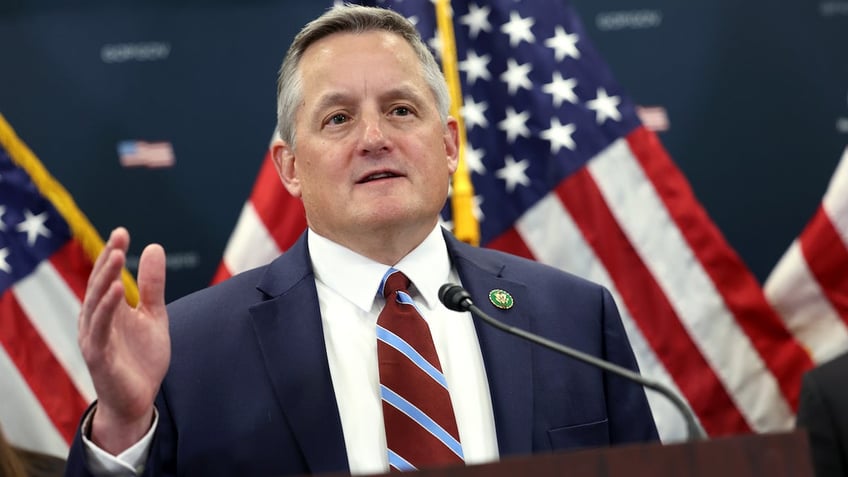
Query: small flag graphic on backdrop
146, 154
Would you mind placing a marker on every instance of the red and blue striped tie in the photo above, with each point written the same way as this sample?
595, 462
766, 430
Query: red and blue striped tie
420, 424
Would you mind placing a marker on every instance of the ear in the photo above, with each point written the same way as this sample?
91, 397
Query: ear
283, 156
452, 143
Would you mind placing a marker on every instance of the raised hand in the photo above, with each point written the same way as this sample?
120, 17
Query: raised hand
127, 350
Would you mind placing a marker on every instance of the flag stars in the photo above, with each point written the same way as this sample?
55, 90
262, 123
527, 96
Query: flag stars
33, 225
563, 44
518, 29
515, 124
475, 67
559, 135
2, 212
561, 89
477, 20
516, 76
514, 173
477, 208
436, 44
4, 265
605, 106
474, 113
474, 159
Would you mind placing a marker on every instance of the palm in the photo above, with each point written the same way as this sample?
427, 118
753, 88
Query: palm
134, 360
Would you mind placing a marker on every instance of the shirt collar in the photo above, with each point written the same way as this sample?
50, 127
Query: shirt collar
357, 278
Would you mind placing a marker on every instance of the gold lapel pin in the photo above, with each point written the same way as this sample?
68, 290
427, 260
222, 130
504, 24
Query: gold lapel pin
501, 299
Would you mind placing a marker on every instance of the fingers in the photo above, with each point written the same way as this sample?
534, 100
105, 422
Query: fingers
106, 270
151, 279
99, 324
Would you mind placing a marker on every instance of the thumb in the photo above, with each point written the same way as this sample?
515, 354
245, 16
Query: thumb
151, 278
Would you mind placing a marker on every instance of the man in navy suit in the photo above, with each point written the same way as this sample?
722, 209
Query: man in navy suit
274, 372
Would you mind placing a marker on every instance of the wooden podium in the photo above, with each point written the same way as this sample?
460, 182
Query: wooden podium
773, 455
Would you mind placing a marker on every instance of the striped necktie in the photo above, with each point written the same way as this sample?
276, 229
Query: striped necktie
420, 424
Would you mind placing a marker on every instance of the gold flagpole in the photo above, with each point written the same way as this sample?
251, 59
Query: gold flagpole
465, 226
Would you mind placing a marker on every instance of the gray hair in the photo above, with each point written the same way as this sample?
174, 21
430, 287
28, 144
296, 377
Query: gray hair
350, 19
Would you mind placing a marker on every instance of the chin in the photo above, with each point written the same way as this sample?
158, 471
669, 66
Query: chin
393, 217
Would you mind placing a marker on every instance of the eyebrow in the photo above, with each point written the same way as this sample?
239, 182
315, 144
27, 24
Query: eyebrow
401, 91
329, 100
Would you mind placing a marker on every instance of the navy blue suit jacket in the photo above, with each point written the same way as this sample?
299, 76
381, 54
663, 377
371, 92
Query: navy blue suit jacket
248, 391
823, 414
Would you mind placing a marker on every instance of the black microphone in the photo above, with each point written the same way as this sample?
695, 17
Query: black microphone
457, 298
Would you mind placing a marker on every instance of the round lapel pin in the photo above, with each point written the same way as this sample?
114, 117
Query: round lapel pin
501, 299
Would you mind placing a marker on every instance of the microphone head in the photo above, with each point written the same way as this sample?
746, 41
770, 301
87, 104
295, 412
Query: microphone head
455, 297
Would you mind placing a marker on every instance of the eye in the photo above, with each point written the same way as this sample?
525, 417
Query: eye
401, 111
337, 119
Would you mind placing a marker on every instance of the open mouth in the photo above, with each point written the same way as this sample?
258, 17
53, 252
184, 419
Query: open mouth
378, 176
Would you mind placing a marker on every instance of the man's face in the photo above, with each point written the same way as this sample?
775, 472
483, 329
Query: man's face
372, 154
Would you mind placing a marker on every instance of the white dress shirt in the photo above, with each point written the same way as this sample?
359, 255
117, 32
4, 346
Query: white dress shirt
347, 285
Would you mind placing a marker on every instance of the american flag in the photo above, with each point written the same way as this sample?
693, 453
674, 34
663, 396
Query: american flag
809, 286
46, 250
564, 173
134, 153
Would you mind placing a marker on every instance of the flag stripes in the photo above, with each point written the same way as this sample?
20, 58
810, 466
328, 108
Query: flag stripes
827, 257
49, 315
40, 342
571, 252
748, 355
25, 420
270, 222
647, 304
713, 359
42, 371
808, 287
740, 292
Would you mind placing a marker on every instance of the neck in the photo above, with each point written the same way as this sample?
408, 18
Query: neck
387, 246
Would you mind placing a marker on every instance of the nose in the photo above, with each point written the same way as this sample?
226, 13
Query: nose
373, 135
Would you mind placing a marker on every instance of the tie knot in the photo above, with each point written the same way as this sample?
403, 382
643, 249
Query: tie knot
393, 281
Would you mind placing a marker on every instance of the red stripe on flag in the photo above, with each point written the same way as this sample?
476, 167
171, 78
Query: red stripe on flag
744, 297
281, 213
73, 265
221, 274
46, 378
827, 258
649, 306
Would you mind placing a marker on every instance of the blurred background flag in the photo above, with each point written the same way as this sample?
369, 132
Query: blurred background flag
46, 250
564, 173
269, 223
809, 286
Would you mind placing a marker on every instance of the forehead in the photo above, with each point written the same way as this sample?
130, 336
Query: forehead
343, 54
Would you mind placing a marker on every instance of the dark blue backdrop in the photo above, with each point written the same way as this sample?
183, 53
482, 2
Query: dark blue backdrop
756, 94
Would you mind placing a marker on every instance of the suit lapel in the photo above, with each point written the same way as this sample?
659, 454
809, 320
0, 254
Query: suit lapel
507, 358
288, 330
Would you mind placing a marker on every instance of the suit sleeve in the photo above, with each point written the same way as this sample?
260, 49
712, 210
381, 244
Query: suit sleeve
85, 458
